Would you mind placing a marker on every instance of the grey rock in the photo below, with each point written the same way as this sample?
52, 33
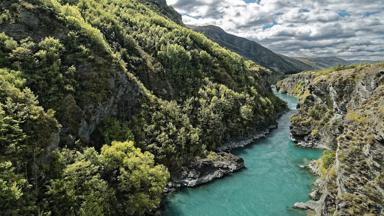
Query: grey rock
205, 170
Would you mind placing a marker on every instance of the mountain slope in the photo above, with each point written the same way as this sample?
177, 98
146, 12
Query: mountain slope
267, 58
253, 50
101, 99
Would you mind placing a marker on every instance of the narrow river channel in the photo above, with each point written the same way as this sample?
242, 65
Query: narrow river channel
272, 182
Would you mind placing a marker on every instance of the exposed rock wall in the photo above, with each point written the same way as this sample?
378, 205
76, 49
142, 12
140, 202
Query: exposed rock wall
343, 112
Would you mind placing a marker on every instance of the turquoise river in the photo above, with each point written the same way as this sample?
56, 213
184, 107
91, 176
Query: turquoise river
271, 183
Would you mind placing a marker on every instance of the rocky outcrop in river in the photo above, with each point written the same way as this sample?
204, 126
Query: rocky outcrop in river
341, 110
202, 171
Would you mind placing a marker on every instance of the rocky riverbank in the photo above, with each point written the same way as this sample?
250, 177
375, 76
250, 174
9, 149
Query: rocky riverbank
341, 110
235, 144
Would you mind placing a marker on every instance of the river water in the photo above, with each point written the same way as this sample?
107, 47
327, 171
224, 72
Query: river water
272, 182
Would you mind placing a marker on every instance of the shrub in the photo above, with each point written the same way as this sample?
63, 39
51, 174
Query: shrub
355, 117
326, 161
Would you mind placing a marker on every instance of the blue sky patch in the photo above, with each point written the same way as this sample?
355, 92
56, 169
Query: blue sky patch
269, 25
343, 13
371, 13
252, 1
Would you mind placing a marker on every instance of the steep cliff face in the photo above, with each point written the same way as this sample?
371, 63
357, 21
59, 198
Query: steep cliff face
341, 110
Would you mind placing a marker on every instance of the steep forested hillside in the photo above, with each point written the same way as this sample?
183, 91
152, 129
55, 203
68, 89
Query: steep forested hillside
341, 110
101, 99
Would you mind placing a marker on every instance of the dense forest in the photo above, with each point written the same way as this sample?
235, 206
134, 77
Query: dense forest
103, 101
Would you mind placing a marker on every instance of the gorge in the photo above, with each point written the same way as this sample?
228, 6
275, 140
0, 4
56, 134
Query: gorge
116, 107
274, 179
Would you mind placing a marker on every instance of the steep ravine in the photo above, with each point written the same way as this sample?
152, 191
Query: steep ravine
273, 180
341, 110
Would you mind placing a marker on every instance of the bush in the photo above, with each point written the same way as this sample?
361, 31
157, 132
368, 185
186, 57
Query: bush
326, 161
355, 117
121, 180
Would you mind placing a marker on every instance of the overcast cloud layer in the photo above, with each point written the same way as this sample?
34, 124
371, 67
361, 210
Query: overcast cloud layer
351, 29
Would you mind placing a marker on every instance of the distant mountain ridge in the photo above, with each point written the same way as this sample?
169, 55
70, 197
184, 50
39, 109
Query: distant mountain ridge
323, 62
267, 58
253, 51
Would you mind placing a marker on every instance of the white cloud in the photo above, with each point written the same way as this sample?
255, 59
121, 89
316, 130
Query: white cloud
350, 29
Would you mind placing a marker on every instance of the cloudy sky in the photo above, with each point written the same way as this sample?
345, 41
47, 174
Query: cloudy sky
351, 29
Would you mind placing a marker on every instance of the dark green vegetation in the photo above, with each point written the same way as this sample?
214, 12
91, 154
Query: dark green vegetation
101, 100
341, 110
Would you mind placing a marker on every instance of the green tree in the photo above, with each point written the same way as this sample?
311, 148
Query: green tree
28, 135
12, 189
165, 131
137, 181
7, 44
114, 130
121, 180
80, 190
42, 66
